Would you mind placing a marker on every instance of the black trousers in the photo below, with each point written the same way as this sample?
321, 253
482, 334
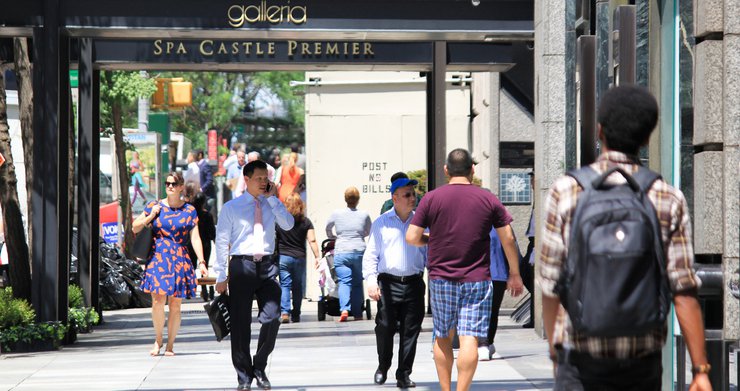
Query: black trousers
582, 372
247, 279
400, 303
527, 272
499, 288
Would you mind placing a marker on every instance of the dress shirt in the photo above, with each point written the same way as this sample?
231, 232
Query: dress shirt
235, 230
388, 252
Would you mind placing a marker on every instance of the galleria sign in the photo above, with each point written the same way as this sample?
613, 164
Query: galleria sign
274, 14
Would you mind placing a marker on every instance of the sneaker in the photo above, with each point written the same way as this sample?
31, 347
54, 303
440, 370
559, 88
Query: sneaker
344, 316
483, 353
284, 318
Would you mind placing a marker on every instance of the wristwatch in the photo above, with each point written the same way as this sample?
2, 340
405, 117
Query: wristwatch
703, 368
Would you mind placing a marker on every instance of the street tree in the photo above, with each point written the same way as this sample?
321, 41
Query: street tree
15, 237
119, 89
25, 108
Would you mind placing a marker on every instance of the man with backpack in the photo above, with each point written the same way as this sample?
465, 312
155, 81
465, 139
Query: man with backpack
616, 248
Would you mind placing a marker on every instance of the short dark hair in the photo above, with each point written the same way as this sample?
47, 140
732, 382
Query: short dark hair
627, 114
459, 163
199, 201
398, 175
198, 153
249, 168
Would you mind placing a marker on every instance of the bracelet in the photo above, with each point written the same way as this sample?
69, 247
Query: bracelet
703, 368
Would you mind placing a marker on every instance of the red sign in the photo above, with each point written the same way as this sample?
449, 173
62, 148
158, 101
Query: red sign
212, 145
2, 159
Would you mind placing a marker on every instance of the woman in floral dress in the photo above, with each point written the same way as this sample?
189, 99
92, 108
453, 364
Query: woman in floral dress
169, 271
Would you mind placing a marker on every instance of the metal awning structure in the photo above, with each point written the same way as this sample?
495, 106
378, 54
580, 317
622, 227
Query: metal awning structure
432, 36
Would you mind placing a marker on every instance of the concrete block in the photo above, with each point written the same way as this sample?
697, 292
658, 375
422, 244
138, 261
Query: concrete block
554, 25
732, 90
552, 89
708, 87
708, 213
708, 17
731, 12
730, 266
552, 153
732, 201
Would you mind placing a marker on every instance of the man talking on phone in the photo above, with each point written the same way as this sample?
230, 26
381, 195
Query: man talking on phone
245, 246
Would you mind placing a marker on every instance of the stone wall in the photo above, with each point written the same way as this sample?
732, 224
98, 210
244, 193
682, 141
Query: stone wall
717, 137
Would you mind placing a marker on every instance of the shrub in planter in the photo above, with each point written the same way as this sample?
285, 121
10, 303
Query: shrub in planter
14, 312
75, 297
83, 319
33, 337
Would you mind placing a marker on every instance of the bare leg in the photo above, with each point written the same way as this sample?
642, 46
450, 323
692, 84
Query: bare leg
173, 325
467, 361
443, 359
157, 321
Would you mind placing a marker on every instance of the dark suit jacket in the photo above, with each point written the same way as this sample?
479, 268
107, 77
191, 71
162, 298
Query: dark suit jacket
206, 179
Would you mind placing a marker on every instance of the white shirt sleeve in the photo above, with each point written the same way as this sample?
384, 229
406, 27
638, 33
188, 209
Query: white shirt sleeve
372, 254
223, 239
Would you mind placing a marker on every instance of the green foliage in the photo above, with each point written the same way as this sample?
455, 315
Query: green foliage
421, 176
225, 101
75, 297
14, 312
54, 331
83, 318
124, 88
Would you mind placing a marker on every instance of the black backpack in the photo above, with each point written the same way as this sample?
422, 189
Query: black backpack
614, 280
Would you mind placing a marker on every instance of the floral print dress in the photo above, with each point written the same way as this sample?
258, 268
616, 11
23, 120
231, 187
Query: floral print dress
169, 271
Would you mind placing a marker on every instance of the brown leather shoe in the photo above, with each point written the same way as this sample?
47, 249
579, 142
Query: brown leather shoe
284, 318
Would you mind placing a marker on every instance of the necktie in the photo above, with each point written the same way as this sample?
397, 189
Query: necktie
259, 232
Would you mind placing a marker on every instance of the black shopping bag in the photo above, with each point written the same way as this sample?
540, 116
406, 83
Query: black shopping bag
218, 313
142, 248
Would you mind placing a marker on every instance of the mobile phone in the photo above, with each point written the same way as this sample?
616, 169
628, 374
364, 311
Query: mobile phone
267, 188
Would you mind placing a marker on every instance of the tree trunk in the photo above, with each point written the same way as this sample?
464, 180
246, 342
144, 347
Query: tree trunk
15, 237
123, 177
25, 98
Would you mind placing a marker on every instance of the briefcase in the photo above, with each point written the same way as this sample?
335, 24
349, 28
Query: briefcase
218, 314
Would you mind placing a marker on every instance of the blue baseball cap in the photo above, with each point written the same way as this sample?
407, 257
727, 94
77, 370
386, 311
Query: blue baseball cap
401, 182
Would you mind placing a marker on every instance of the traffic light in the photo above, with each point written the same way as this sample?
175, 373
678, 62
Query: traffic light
178, 93
181, 93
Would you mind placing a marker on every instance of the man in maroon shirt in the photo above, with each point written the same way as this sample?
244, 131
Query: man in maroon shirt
459, 217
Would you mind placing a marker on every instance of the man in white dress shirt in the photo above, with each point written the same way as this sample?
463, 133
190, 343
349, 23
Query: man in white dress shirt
245, 243
393, 270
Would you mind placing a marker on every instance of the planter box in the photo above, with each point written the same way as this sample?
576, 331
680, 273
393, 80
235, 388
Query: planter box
34, 346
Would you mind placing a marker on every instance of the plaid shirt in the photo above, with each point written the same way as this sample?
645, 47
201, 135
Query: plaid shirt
673, 214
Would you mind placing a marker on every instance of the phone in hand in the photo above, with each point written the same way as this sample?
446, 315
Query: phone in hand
268, 187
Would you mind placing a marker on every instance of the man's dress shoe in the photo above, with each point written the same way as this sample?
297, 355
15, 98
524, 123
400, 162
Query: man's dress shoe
261, 378
380, 377
405, 382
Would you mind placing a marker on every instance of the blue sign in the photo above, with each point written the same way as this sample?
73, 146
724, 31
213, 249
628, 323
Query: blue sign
110, 232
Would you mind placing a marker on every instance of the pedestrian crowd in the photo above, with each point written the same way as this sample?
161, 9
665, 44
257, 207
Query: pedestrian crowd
614, 248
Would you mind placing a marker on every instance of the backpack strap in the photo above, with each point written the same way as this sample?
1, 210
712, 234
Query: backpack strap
585, 176
645, 178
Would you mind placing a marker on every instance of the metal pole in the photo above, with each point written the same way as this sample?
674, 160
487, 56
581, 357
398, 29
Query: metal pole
626, 22
436, 117
587, 72
88, 175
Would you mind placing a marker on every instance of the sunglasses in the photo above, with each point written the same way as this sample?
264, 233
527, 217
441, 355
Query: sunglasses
407, 195
170, 184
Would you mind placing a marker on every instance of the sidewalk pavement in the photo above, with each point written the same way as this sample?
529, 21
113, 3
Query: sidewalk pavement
309, 355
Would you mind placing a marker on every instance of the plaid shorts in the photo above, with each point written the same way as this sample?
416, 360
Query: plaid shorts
464, 305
